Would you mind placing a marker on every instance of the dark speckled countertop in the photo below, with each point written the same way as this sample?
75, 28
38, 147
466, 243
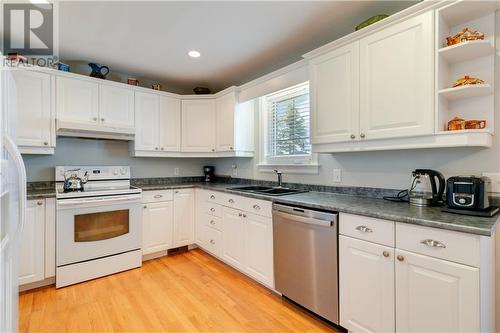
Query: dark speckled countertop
366, 206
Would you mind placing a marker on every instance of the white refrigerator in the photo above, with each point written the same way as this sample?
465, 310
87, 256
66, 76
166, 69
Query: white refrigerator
13, 204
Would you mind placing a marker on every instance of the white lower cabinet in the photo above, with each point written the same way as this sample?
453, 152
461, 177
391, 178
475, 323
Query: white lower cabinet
259, 248
233, 237
183, 217
434, 295
157, 227
366, 280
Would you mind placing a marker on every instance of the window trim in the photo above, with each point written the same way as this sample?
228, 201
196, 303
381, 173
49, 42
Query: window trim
298, 164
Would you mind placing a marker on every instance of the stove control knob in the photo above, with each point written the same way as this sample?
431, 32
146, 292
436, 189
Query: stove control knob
115, 172
123, 171
462, 201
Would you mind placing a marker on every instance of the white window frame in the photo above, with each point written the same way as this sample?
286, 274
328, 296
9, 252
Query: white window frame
298, 164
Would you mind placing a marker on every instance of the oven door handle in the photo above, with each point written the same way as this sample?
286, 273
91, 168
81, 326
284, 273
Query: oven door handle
108, 200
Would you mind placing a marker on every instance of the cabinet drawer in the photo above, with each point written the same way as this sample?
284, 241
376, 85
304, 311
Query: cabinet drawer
367, 228
212, 221
449, 245
250, 205
213, 242
157, 196
211, 196
212, 209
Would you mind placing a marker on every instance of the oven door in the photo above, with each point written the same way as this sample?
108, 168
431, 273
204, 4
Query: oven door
90, 228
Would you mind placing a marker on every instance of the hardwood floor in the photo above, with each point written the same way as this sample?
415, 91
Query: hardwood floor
188, 292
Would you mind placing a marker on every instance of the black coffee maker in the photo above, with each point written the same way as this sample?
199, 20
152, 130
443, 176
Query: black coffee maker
209, 172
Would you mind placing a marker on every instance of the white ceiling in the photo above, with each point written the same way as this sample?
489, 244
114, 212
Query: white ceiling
238, 41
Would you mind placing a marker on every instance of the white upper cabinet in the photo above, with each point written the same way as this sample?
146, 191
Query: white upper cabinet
397, 80
77, 101
366, 281
183, 217
334, 86
434, 295
147, 111
170, 124
198, 125
35, 118
116, 106
225, 107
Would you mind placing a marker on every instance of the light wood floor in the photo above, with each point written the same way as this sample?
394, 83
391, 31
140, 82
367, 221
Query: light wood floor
188, 292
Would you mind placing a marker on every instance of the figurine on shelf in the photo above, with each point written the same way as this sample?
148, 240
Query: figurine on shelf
467, 80
463, 36
456, 124
475, 124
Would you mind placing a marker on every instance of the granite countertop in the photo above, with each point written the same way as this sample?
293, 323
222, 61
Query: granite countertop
366, 206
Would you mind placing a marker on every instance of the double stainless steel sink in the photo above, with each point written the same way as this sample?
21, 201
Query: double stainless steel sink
265, 190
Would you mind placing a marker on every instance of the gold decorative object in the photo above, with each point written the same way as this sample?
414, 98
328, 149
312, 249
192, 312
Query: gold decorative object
475, 124
463, 36
456, 124
467, 80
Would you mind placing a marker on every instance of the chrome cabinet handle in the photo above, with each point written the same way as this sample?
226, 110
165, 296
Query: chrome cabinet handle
145, 207
364, 228
256, 207
213, 149
385, 254
156, 148
94, 119
162, 148
212, 196
45, 143
400, 258
433, 243
230, 148
362, 135
231, 201
212, 241
158, 196
244, 215
353, 136
212, 222
39, 203
212, 209
102, 119
240, 214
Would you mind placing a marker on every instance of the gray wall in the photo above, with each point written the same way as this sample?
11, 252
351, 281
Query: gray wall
75, 151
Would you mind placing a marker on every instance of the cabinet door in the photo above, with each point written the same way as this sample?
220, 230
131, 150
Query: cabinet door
147, 110
170, 124
397, 80
116, 106
366, 283
183, 217
259, 248
33, 109
31, 244
233, 237
225, 107
434, 295
77, 101
198, 126
335, 95
157, 226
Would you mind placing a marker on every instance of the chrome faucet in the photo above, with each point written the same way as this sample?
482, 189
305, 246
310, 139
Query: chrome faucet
280, 180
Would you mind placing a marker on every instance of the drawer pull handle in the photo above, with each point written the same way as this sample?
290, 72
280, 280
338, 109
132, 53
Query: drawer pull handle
244, 215
256, 207
212, 241
385, 254
433, 243
231, 201
212, 222
158, 196
212, 209
212, 196
364, 228
240, 214
39, 203
400, 258
145, 207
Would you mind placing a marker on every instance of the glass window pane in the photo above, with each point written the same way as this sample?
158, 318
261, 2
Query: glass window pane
99, 226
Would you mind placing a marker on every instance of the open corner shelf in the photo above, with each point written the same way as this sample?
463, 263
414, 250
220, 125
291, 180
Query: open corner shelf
467, 131
468, 91
467, 51
463, 11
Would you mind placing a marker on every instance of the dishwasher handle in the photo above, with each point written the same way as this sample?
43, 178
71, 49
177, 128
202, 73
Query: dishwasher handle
303, 219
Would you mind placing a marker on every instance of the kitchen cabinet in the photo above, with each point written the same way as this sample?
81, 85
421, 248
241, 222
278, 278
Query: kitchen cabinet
157, 221
170, 124
31, 244
33, 103
259, 248
225, 107
334, 95
147, 109
435, 295
77, 101
116, 106
198, 125
233, 237
366, 304
397, 80
183, 233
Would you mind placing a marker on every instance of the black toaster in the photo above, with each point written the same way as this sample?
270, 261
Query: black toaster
468, 192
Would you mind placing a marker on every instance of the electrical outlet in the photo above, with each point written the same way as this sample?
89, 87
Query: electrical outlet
176, 171
337, 175
235, 170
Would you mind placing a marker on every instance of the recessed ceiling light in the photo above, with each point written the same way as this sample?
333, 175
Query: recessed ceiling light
194, 54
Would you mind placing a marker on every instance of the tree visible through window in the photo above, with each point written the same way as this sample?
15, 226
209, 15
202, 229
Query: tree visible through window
288, 122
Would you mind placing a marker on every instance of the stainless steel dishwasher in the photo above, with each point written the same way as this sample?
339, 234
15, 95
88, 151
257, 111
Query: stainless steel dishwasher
306, 258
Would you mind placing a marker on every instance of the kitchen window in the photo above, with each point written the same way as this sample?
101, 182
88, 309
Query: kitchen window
285, 117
